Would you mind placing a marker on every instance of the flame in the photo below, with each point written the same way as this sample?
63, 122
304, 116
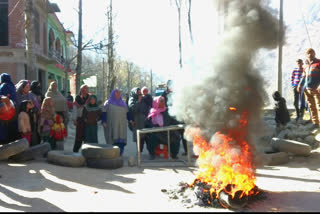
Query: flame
232, 108
226, 161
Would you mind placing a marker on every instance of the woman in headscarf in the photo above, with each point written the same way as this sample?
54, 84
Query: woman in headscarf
60, 102
35, 88
114, 120
7, 87
156, 118
47, 120
137, 109
8, 129
23, 93
81, 100
91, 116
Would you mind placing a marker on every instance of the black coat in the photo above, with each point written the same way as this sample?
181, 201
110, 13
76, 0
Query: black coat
281, 110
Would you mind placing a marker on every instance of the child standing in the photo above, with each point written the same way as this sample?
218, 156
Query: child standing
91, 115
282, 114
24, 125
47, 120
58, 132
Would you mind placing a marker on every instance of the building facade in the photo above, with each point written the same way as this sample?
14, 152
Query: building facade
50, 43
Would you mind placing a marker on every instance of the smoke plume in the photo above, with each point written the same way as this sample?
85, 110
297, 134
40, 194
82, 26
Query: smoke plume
232, 81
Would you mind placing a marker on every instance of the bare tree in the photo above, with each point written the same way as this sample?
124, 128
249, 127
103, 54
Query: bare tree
189, 19
111, 78
30, 38
178, 4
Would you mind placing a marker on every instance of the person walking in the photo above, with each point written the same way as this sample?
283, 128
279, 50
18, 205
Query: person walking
311, 81
114, 120
81, 100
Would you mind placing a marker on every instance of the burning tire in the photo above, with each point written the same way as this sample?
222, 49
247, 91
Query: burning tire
31, 153
13, 148
100, 151
105, 163
64, 158
227, 201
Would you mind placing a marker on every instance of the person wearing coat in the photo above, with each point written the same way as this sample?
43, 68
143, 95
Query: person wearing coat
114, 120
81, 100
157, 118
8, 129
137, 109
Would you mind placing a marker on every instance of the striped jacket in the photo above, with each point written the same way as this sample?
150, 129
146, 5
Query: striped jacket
296, 76
311, 75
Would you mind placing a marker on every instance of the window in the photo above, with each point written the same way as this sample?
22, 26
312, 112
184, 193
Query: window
36, 26
4, 30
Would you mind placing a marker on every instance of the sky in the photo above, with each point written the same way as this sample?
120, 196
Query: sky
147, 30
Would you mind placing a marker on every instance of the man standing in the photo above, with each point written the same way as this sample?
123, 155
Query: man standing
311, 80
295, 79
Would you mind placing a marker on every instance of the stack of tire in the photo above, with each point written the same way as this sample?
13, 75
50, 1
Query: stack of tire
19, 151
102, 156
66, 158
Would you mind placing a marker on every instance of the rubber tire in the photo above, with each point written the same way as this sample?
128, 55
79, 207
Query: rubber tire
13, 148
33, 152
105, 163
100, 151
65, 158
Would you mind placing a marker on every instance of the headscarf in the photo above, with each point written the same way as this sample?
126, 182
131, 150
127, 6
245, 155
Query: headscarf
20, 86
144, 88
92, 107
35, 88
155, 111
47, 111
79, 101
20, 95
134, 93
7, 87
114, 101
60, 102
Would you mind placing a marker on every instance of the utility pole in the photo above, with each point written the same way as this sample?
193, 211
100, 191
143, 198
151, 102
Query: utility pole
151, 88
79, 55
103, 83
280, 39
30, 38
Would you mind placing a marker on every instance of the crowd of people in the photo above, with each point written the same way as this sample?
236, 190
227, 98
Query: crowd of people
305, 82
44, 118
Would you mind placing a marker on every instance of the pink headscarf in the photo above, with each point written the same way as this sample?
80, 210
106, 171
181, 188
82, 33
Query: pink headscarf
155, 112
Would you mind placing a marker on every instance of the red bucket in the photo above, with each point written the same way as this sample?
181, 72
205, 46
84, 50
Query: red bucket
7, 111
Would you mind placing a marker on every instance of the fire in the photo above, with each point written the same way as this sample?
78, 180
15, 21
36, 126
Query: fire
226, 161
232, 108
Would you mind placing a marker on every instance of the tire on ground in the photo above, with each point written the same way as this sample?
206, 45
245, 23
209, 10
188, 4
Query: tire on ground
65, 158
31, 153
13, 148
100, 151
277, 158
105, 163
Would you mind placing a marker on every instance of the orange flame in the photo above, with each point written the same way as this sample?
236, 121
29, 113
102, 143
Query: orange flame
232, 108
226, 160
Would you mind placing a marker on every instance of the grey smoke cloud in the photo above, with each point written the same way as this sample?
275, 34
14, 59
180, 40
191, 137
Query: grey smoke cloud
203, 100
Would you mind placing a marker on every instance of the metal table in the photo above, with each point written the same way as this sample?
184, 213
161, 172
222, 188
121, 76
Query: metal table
161, 129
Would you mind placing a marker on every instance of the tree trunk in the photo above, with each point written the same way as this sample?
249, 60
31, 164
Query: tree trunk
178, 3
189, 20
79, 55
30, 38
111, 78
